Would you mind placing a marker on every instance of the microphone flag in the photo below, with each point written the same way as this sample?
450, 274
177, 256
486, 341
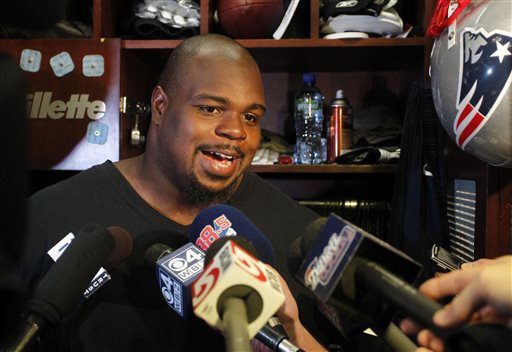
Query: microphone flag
328, 268
230, 271
175, 273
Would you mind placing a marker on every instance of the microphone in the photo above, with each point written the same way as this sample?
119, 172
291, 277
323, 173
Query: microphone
236, 293
220, 220
175, 277
62, 287
273, 335
123, 247
352, 270
175, 272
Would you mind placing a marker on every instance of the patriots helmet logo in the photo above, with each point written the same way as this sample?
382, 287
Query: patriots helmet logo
485, 75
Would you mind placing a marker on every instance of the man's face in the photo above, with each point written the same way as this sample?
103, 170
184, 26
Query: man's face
210, 129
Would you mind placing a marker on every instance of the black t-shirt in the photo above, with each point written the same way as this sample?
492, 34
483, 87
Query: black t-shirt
128, 313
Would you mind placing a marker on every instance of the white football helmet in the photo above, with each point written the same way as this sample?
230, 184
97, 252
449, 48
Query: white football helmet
471, 71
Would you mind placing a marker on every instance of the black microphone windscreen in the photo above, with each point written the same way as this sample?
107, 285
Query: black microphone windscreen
123, 246
310, 235
301, 245
157, 244
62, 287
154, 253
295, 256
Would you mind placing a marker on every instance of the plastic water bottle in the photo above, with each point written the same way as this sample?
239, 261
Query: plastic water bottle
308, 122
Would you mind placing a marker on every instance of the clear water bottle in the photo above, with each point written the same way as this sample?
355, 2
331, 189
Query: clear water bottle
308, 122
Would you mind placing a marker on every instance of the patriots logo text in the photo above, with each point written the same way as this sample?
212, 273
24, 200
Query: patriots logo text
321, 269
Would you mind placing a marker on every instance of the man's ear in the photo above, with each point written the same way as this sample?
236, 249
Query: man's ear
159, 103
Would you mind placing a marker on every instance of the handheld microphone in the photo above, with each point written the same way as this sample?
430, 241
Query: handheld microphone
364, 276
236, 293
123, 246
62, 287
220, 220
175, 277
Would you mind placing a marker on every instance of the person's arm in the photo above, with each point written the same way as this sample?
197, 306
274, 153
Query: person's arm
288, 316
483, 292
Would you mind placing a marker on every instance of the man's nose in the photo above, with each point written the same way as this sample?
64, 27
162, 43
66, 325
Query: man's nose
231, 126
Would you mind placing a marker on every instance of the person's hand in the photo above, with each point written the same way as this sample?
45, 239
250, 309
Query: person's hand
288, 316
483, 292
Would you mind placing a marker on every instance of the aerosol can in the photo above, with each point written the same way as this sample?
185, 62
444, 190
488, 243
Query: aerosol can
340, 129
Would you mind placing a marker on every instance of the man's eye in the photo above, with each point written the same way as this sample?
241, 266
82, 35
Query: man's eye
251, 118
209, 109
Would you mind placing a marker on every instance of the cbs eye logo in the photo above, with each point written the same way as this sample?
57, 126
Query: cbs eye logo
177, 264
182, 262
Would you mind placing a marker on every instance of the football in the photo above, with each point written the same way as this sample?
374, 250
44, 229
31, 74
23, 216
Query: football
250, 19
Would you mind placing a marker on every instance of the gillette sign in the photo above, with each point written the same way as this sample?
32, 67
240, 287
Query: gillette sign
329, 256
41, 105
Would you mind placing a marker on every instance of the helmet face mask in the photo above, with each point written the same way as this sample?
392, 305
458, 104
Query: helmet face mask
471, 81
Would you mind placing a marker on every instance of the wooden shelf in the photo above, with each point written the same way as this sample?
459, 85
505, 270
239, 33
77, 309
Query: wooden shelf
297, 55
288, 43
325, 169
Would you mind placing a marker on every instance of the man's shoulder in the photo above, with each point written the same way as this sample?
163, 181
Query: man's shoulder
77, 181
253, 182
257, 190
264, 202
76, 188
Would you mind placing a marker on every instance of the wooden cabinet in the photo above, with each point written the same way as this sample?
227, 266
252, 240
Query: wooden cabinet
355, 65
385, 67
382, 67
361, 67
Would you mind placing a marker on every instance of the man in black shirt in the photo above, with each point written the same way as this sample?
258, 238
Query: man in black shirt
204, 132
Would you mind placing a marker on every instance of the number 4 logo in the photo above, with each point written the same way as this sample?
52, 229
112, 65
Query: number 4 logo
166, 288
193, 256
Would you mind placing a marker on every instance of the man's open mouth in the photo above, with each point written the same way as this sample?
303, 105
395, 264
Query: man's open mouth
218, 156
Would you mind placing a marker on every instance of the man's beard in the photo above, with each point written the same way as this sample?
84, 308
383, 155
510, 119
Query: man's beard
198, 195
